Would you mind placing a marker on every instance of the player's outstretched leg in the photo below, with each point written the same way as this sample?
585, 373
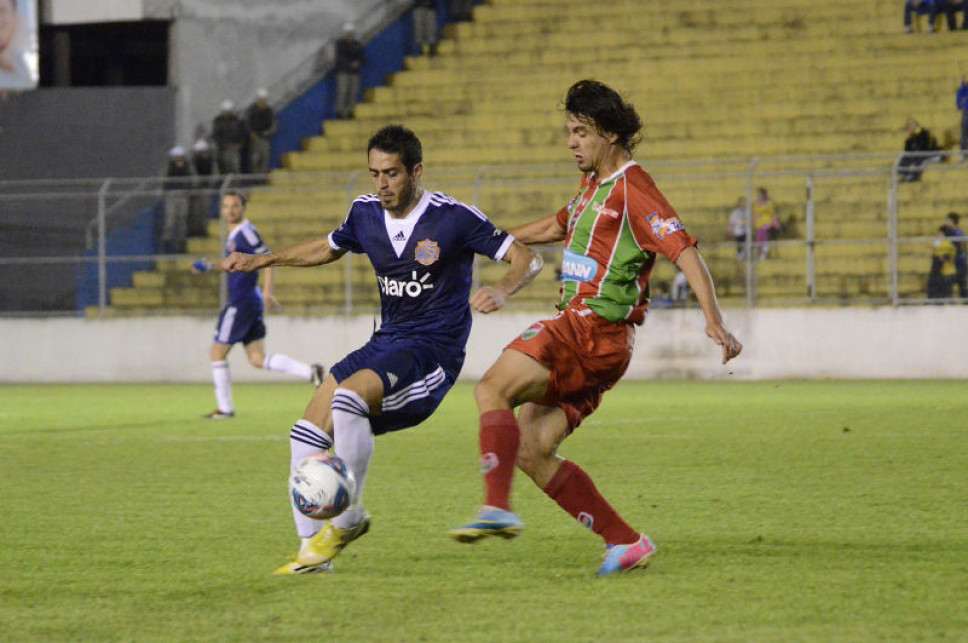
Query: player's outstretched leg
490, 521
623, 558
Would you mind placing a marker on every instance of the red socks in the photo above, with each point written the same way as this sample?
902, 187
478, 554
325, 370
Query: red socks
575, 492
499, 438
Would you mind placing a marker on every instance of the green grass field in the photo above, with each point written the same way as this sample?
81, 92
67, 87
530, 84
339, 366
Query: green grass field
782, 511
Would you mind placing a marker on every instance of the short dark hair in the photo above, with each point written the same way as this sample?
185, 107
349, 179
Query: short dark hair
397, 139
593, 101
239, 195
954, 217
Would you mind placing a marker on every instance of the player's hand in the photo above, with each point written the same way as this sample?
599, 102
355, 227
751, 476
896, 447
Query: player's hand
488, 299
272, 304
237, 262
731, 346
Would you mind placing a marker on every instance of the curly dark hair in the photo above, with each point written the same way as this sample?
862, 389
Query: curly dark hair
595, 102
397, 139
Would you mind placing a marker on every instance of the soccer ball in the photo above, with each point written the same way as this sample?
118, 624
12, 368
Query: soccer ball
321, 486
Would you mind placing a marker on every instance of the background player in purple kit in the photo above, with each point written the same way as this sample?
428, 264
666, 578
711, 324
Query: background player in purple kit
241, 320
422, 246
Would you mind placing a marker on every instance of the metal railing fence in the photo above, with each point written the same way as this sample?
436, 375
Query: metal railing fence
856, 231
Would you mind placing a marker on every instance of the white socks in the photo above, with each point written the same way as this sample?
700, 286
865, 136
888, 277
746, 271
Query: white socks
354, 444
353, 437
306, 438
223, 386
289, 366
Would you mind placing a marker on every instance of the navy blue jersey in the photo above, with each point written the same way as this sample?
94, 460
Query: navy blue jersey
244, 286
423, 263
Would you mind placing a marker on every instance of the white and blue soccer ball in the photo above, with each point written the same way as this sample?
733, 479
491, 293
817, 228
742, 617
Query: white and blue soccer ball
321, 486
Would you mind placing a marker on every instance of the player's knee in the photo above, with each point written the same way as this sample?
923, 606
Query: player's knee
257, 359
488, 393
533, 455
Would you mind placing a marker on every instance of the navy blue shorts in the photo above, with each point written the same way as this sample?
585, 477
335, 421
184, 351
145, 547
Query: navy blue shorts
416, 377
239, 324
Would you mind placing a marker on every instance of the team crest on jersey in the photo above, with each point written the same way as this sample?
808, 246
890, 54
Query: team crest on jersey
427, 252
532, 331
661, 227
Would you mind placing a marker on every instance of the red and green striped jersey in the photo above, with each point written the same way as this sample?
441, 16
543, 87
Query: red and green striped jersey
615, 227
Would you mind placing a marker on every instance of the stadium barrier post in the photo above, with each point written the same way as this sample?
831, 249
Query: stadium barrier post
102, 265
892, 231
750, 231
811, 241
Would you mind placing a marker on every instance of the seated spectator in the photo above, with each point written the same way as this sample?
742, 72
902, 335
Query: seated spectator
179, 181
920, 7
765, 221
941, 278
917, 147
228, 132
951, 8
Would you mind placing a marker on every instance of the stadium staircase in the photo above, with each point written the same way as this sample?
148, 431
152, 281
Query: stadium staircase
732, 80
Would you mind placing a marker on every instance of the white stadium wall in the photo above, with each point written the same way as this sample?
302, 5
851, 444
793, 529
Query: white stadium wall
915, 342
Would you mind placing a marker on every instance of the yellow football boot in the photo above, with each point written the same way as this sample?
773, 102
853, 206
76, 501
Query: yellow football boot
328, 543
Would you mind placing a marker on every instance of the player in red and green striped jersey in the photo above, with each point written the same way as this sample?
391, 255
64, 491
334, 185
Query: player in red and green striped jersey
559, 368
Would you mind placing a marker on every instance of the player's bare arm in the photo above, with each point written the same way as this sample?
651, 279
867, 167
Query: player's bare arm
315, 252
544, 230
697, 274
525, 265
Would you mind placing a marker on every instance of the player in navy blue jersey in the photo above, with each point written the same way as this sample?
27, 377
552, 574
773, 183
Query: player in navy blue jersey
422, 245
241, 320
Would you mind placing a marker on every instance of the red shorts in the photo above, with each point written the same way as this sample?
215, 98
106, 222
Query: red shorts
586, 354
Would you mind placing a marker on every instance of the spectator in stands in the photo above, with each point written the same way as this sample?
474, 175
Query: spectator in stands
203, 202
765, 221
179, 181
350, 59
920, 7
425, 26
15, 73
228, 132
961, 101
957, 237
942, 275
461, 10
919, 142
737, 227
261, 121
953, 7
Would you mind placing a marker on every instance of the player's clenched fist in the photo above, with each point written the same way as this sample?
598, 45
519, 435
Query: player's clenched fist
488, 300
238, 262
